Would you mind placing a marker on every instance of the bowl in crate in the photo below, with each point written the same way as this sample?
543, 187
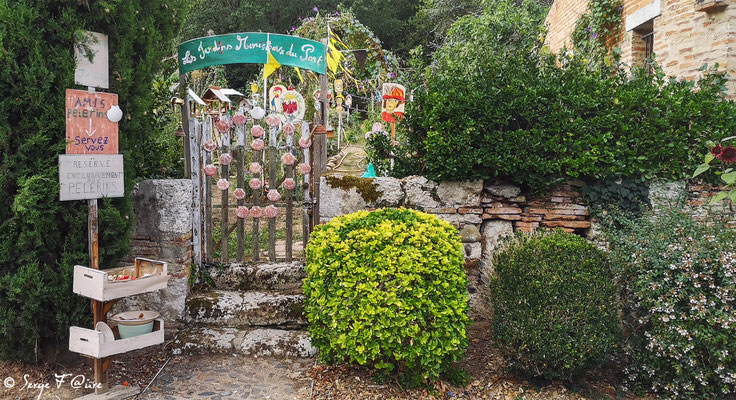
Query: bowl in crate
134, 323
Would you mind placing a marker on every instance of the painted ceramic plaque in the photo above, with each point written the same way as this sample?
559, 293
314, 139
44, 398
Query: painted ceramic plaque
89, 122
293, 105
393, 102
276, 97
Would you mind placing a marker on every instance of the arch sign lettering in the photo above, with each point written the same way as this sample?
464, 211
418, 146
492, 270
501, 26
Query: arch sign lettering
252, 48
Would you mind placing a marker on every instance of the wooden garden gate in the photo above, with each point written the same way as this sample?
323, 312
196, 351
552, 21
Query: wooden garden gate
255, 185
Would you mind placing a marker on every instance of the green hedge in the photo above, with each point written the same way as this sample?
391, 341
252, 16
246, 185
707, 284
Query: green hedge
493, 103
41, 238
554, 304
388, 288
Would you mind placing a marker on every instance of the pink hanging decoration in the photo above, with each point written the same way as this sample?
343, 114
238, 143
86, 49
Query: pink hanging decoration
239, 194
273, 195
239, 119
289, 128
255, 168
271, 211
258, 145
209, 145
305, 143
223, 184
304, 168
210, 170
289, 184
257, 131
256, 212
242, 211
273, 120
288, 159
222, 126
226, 159
255, 183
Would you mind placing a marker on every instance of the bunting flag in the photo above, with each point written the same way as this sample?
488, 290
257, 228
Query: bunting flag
271, 66
334, 56
299, 74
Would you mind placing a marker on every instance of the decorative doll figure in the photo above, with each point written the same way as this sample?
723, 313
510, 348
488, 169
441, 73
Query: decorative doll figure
393, 102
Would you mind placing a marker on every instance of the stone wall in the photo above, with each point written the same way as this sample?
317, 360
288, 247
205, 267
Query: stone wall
163, 231
485, 213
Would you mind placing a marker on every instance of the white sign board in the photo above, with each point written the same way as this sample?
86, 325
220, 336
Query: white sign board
90, 176
93, 73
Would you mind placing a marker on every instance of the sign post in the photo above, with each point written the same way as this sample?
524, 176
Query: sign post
92, 168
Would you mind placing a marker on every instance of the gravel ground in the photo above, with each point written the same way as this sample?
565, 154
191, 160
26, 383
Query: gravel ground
227, 376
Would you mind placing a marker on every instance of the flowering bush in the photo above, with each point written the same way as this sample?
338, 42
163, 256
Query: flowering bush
679, 291
378, 146
554, 304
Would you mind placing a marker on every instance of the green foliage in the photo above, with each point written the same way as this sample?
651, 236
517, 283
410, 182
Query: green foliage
388, 288
41, 238
679, 290
627, 195
554, 304
494, 105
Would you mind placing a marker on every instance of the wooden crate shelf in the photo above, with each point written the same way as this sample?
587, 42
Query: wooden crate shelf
96, 284
92, 343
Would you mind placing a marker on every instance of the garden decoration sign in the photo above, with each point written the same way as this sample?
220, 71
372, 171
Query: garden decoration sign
393, 105
252, 48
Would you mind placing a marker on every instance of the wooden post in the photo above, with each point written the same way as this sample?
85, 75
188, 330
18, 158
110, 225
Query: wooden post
185, 123
98, 307
195, 130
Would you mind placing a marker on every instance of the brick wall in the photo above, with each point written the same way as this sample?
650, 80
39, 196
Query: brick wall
685, 35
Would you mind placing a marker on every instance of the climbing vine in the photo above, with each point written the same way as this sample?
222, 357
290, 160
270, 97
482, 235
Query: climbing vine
597, 28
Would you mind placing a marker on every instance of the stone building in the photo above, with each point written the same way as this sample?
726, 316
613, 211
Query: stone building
682, 34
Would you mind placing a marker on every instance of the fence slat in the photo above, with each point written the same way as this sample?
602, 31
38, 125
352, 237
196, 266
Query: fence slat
207, 187
272, 165
289, 214
256, 233
306, 188
240, 165
225, 169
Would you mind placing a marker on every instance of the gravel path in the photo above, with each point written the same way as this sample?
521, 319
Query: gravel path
222, 377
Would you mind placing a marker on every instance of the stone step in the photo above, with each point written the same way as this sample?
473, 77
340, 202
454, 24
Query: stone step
226, 308
261, 276
248, 341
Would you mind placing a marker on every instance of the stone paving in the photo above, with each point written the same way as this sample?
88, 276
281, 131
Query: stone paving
225, 377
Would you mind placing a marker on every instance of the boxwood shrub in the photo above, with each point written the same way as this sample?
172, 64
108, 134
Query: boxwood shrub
554, 300
679, 281
388, 289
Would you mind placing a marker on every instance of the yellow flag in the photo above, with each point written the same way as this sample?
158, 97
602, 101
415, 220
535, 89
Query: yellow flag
299, 74
271, 66
334, 56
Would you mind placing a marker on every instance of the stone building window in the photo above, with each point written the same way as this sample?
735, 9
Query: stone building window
643, 46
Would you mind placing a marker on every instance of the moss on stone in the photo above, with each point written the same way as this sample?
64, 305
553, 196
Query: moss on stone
366, 187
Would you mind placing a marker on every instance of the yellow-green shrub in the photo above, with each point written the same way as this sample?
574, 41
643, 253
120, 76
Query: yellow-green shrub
388, 288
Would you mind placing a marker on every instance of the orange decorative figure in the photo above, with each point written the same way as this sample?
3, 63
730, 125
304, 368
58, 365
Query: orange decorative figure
393, 105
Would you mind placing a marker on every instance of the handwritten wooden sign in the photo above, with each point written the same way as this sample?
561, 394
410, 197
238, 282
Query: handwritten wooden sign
91, 176
92, 62
88, 128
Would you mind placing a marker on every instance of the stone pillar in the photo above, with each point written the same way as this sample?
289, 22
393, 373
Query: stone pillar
163, 231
